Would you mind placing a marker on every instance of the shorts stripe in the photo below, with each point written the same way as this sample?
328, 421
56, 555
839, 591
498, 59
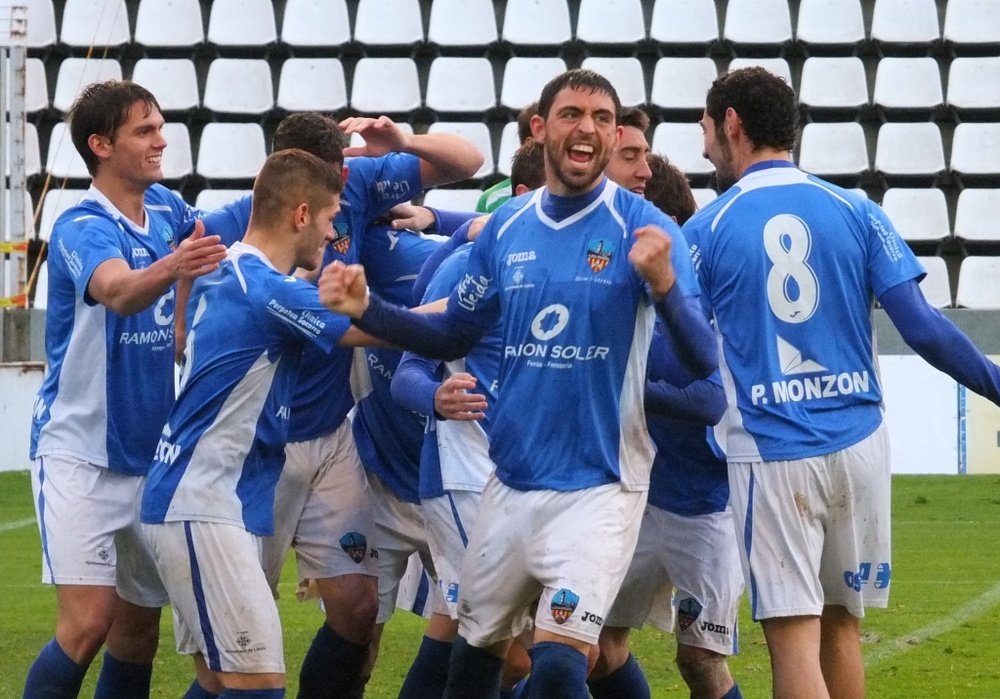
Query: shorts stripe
458, 521
748, 542
41, 517
212, 651
420, 597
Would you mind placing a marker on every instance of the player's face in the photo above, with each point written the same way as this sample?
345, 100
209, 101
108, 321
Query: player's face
628, 167
316, 234
579, 134
136, 151
719, 152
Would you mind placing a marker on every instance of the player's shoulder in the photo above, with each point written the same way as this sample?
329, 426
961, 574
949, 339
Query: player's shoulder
85, 218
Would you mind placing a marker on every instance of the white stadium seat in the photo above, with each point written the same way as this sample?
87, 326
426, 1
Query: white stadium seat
682, 83
684, 22
974, 83
683, 144
315, 23
231, 151
908, 83
169, 24
524, 78
36, 87
239, 86
919, 214
977, 215
452, 199
55, 202
77, 73
388, 22
977, 283
757, 22
242, 23
936, 286
830, 22
461, 84
41, 18
173, 81
975, 149
703, 195
610, 22
909, 149
972, 22
211, 199
87, 23
536, 22
177, 160
312, 85
509, 144
905, 21
625, 74
833, 83
41, 301
833, 149
385, 85
477, 132
462, 23
62, 159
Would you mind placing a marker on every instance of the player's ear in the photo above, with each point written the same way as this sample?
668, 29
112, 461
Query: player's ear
300, 215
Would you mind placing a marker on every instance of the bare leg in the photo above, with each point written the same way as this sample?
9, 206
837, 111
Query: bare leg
840, 653
793, 643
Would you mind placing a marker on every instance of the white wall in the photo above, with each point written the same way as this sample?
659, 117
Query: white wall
18, 385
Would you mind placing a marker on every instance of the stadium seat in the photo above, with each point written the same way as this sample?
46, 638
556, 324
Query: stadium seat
974, 83
461, 85
919, 214
242, 23
509, 144
315, 23
524, 78
977, 215
87, 23
909, 149
312, 85
757, 22
682, 83
62, 159
41, 301
356, 140
536, 22
610, 22
388, 22
211, 199
36, 87
77, 73
239, 86
830, 22
833, 149
169, 24
703, 195
462, 23
833, 83
936, 286
452, 199
905, 22
683, 144
977, 283
975, 149
626, 76
684, 22
231, 151
777, 66
41, 17
55, 202
477, 132
908, 83
172, 80
32, 154
385, 85
176, 161
972, 22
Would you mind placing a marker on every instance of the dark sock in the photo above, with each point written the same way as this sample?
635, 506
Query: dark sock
196, 691
121, 680
515, 692
474, 673
428, 674
733, 693
332, 667
53, 675
558, 671
627, 682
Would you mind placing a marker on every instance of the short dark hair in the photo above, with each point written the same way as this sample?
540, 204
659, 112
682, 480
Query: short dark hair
668, 189
577, 79
527, 167
313, 133
765, 102
102, 108
634, 117
524, 121
291, 176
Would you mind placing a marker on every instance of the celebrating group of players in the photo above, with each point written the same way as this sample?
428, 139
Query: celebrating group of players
601, 419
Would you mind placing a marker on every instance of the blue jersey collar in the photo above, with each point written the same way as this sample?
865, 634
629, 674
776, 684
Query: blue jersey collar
766, 164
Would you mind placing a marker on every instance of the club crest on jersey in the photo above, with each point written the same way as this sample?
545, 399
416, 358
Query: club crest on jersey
599, 254
355, 545
341, 238
563, 605
687, 611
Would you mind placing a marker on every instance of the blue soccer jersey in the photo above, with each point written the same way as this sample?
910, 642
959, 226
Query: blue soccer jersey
373, 186
388, 436
576, 326
222, 447
110, 377
790, 266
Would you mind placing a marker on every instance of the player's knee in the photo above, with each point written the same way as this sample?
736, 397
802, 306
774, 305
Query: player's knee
704, 671
557, 670
613, 651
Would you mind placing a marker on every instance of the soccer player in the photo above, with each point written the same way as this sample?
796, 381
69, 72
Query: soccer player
323, 502
577, 268
114, 259
791, 266
210, 492
629, 167
684, 576
499, 193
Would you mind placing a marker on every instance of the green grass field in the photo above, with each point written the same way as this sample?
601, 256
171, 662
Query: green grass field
940, 636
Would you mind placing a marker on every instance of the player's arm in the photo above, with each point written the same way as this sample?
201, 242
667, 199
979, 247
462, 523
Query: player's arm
126, 291
939, 341
702, 401
427, 219
416, 385
443, 157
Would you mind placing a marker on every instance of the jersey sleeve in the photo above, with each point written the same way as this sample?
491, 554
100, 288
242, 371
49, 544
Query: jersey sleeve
83, 242
476, 299
293, 307
229, 221
180, 214
890, 260
383, 182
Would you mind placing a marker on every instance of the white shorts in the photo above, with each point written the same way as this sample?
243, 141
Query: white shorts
88, 518
449, 519
685, 577
567, 550
815, 531
223, 607
417, 592
399, 533
323, 509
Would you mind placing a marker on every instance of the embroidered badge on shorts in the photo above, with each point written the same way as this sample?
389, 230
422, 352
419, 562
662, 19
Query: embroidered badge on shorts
563, 605
355, 545
687, 611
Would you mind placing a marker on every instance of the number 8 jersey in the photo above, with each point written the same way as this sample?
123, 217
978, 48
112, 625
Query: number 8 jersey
790, 266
